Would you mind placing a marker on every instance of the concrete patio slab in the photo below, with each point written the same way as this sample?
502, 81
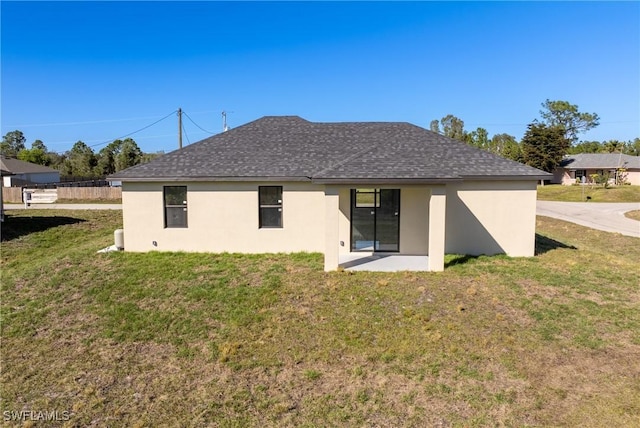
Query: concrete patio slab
383, 262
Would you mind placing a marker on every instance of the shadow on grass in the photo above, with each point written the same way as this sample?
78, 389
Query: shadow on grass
544, 244
458, 259
15, 227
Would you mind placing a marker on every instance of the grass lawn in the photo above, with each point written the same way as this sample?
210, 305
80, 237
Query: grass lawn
558, 192
89, 201
174, 339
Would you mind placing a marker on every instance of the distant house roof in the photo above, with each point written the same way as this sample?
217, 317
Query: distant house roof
291, 148
600, 161
15, 166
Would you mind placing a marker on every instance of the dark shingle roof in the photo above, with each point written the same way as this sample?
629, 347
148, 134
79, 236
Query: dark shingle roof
16, 166
289, 147
600, 161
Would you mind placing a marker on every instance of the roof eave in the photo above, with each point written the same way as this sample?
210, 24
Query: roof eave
543, 176
377, 181
201, 179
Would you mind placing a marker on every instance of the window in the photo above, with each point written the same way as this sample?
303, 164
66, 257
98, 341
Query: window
270, 200
367, 198
175, 206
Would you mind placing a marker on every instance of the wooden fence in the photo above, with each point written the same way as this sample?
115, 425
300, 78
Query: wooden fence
14, 194
89, 193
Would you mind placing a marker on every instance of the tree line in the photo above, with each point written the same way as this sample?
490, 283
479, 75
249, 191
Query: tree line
81, 160
544, 144
547, 139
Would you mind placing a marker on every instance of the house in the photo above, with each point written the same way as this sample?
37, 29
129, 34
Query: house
3, 173
284, 184
26, 173
573, 168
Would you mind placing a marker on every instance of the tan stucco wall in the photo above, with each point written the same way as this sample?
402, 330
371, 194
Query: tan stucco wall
481, 218
414, 220
491, 217
633, 177
224, 217
345, 220
437, 227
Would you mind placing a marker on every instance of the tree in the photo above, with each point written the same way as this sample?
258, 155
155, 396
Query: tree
118, 155
613, 146
38, 144
130, 155
80, 161
478, 138
567, 116
505, 145
55, 160
453, 127
544, 146
148, 157
586, 147
107, 158
434, 126
37, 156
12, 143
633, 147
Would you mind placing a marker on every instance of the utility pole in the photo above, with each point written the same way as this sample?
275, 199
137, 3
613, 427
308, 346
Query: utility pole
179, 128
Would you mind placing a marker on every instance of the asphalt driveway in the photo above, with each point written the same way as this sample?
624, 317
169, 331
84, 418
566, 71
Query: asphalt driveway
602, 215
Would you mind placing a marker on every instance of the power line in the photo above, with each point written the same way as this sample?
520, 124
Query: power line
201, 128
125, 135
185, 134
135, 132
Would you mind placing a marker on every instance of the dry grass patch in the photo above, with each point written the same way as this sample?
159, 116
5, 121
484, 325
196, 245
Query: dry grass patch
634, 215
181, 339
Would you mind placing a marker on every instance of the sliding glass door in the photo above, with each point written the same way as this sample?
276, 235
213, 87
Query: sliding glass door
375, 220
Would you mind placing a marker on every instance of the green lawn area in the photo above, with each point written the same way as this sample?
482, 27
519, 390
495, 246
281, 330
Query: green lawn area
174, 339
595, 193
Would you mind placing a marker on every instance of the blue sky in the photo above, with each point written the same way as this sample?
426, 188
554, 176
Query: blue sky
95, 71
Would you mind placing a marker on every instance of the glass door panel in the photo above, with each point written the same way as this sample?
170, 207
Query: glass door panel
388, 220
363, 206
375, 219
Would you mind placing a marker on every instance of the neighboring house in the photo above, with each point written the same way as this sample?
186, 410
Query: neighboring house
26, 173
573, 168
3, 173
284, 184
